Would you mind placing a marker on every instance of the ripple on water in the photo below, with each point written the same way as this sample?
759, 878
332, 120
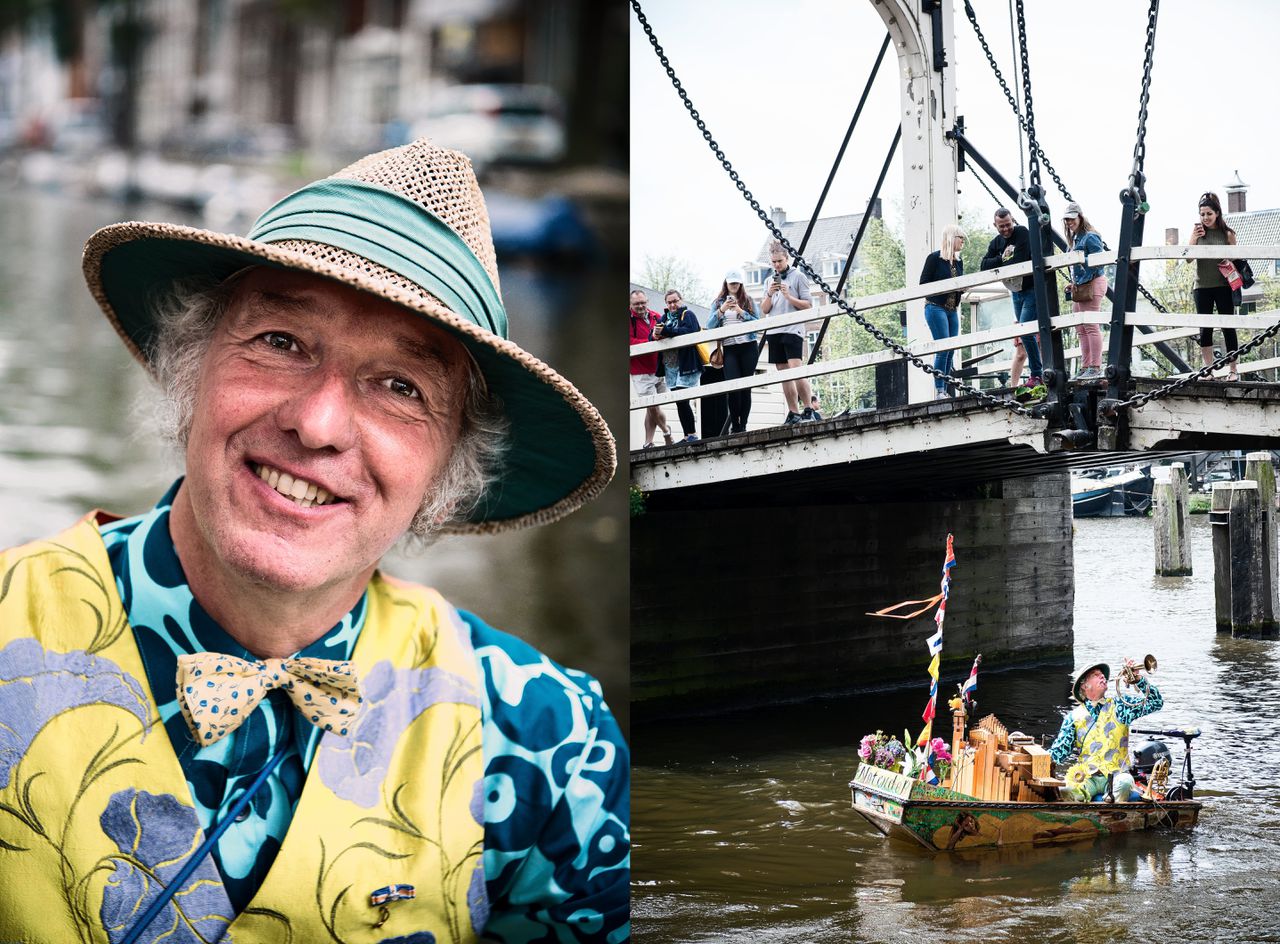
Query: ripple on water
846, 883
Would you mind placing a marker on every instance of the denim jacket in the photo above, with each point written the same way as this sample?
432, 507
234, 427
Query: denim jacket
1090, 242
717, 321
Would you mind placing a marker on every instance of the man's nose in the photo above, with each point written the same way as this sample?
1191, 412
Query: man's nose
322, 411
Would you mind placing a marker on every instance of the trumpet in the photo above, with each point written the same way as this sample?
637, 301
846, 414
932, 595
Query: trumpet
1129, 674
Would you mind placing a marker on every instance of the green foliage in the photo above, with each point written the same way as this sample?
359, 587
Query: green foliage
883, 260
637, 501
661, 273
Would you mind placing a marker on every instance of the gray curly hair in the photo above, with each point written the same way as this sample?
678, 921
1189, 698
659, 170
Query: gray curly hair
185, 319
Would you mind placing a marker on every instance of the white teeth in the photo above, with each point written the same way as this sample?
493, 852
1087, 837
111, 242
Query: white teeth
305, 494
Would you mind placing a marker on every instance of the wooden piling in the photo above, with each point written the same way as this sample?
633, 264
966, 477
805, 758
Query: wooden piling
1243, 576
1258, 468
1173, 550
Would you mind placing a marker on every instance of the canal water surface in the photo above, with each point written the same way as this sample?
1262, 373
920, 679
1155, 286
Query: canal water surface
743, 828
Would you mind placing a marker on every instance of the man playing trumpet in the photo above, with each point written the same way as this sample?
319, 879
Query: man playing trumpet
1098, 728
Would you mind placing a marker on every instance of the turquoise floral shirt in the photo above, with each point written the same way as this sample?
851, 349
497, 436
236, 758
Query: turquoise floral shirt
554, 870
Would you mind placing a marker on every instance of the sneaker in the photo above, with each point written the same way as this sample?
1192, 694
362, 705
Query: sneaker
941, 395
792, 419
1033, 381
690, 438
810, 415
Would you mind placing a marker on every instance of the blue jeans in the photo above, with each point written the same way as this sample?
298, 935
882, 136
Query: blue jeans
1024, 310
942, 324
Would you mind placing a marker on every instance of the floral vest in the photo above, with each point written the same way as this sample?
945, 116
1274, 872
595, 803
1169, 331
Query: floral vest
96, 815
1105, 746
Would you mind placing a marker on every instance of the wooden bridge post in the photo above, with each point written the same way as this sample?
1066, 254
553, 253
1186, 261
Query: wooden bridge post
1173, 551
1242, 577
1258, 468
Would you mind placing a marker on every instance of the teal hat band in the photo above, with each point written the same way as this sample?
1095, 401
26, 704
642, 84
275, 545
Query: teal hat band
391, 230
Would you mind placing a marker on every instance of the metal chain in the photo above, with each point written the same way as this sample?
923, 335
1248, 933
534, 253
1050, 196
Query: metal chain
800, 262
1039, 151
1136, 179
1142, 399
974, 173
1013, 103
1033, 159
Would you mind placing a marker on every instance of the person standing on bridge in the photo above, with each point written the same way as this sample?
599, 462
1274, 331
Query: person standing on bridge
785, 292
1013, 245
645, 377
1211, 287
942, 312
681, 365
734, 306
1088, 287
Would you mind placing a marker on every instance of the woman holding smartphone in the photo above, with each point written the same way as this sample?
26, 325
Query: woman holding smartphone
734, 306
1211, 286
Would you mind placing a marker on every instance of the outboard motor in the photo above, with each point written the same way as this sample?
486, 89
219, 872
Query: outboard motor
1146, 757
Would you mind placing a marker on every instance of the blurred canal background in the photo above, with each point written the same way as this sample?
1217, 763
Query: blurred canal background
205, 112
743, 828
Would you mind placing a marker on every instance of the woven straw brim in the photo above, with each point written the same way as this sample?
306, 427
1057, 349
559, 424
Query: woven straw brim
561, 453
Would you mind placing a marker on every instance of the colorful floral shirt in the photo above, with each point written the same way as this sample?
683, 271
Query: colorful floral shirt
567, 881
1129, 708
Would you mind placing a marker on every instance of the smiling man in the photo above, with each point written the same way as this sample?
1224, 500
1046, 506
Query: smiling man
220, 720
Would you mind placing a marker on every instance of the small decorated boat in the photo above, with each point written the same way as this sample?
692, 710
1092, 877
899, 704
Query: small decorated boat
991, 788
942, 820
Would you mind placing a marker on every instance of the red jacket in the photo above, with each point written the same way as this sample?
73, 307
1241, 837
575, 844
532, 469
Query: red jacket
641, 331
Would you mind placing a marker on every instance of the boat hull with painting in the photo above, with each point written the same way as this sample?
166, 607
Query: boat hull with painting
942, 820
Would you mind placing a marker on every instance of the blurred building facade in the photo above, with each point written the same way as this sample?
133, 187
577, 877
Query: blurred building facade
229, 78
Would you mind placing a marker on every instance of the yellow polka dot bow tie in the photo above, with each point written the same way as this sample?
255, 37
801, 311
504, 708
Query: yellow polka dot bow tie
217, 692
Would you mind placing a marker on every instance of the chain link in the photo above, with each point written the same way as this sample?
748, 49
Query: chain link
1136, 179
1039, 151
1033, 159
1142, 399
990, 193
1013, 103
801, 264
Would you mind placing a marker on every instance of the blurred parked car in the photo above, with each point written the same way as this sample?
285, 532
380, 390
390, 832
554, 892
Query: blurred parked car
496, 123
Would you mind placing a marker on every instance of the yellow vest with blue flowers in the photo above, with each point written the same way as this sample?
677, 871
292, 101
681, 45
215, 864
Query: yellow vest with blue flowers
1104, 744
96, 815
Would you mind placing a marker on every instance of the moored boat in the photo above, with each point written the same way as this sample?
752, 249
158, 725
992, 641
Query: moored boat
1111, 493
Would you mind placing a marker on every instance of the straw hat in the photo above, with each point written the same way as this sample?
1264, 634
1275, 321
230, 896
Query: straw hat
408, 225
1080, 676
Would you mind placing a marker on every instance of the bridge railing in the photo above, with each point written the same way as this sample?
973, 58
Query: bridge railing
1179, 325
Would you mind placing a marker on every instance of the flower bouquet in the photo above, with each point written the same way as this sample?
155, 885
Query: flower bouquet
883, 750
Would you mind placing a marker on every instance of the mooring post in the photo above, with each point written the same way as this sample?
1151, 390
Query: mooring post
1242, 578
1173, 551
1258, 468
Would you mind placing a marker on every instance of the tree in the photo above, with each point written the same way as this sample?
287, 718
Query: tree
661, 273
883, 269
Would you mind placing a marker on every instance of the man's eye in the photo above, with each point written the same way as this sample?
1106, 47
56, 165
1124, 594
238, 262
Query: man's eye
402, 388
280, 341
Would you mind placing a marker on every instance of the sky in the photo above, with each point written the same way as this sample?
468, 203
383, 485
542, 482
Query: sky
777, 85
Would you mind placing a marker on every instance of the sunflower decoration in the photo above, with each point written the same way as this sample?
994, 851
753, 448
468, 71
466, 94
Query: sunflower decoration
1080, 774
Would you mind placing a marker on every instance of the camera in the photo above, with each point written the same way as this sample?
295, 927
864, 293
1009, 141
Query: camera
777, 279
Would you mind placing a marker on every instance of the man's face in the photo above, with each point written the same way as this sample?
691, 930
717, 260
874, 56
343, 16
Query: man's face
779, 262
673, 301
1004, 225
311, 381
639, 302
1094, 685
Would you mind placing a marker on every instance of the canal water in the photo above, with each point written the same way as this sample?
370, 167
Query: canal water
71, 438
743, 828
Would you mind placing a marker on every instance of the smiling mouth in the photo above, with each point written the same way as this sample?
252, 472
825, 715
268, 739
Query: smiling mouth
302, 493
